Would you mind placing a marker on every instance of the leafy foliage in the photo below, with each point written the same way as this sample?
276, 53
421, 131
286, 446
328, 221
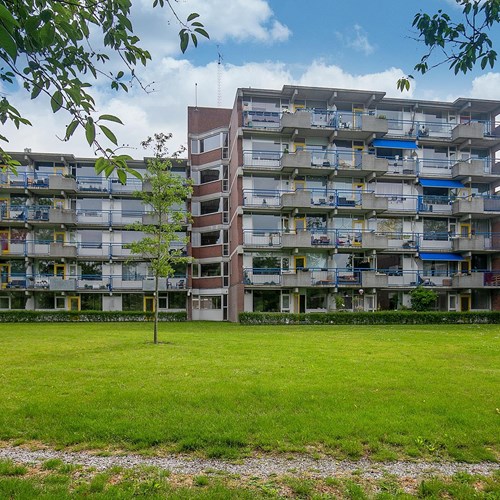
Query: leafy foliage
48, 47
462, 43
166, 191
423, 299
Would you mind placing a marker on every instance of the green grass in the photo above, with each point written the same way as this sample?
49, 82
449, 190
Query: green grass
225, 390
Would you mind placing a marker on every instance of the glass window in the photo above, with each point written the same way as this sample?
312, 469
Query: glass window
90, 238
266, 265
266, 301
209, 207
210, 143
91, 270
132, 302
209, 175
207, 302
177, 301
211, 238
207, 270
91, 301
135, 271
436, 229
316, 299
4, 302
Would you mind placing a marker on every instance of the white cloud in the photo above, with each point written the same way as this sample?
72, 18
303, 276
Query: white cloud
486, 86
165, 110
357, 39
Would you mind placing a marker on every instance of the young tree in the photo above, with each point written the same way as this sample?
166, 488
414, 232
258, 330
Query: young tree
53, 47
423, 299
461, 43
166, 191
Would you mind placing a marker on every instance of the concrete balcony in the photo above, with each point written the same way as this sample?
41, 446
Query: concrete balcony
375, 241
300, 159
299, 119
471, 168
474, 280
372, 279
301, 239
148, 285
298, 199
61, 251
371, 202
61, 284
60, 183
370, 163
371, 123
62, 216
299, 279
472, 244
465, 206
464, 131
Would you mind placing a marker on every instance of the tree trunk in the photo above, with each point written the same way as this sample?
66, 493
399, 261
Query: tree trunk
156, 304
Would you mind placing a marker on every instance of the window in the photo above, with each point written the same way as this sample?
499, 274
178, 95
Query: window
209, 175
436, 229
91, 239
135, 271
91, 271
209, 207
132, 302
316, 299
91, 301
132, 208
266, 265
266, 301
4, 302
208, 270
211, 238
44, 236
207, 302
176, 301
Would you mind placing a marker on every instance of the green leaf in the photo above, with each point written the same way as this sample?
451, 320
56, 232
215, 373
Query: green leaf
100, 165
57, 101
8, 43
109, 134
7, 17
192, 16
122, 176
202, 32
35, 91
111, 118
134, 172
70, 129
90, 131
184, 40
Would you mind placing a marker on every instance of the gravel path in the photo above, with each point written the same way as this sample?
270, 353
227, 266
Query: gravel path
255, 467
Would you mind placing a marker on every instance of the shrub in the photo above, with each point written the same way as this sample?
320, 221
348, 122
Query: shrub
90, 316
371, 318
423, 299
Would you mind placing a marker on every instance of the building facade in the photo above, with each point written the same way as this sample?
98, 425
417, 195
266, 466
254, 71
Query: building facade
333, 199
64, 234
304, 200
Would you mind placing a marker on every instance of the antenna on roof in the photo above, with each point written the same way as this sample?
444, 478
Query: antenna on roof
196, 95
219, 78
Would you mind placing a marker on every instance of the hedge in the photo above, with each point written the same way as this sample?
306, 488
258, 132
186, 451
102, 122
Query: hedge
371, 318
96, 316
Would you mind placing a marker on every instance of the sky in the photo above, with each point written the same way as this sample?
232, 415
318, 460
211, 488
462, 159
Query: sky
262, 44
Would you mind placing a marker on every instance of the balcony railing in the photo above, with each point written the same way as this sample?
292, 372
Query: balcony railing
393, 277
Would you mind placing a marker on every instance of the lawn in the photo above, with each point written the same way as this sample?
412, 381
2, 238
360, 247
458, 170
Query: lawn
226, 390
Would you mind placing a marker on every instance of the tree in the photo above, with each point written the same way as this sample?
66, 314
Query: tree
460, 43
167, 190
50, 47
423, 299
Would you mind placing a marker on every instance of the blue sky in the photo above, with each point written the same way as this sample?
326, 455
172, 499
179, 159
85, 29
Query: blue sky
264, 43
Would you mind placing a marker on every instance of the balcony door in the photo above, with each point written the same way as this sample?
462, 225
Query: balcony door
149, 304
74, 303
465, 230
4, 241
4, 275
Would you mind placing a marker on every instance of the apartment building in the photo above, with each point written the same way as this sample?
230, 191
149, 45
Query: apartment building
305, 200
319, 199
64, 234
